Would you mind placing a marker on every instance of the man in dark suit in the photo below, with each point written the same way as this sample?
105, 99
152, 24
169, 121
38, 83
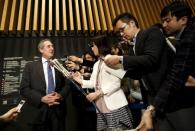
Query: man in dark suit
150, 61
43, 89
177, 95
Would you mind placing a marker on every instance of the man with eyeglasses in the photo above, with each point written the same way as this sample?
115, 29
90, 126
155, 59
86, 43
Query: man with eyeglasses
150, 61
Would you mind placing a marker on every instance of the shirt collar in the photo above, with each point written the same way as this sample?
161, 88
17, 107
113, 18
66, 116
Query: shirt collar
134, 39
135, 35
178, 35
44, 60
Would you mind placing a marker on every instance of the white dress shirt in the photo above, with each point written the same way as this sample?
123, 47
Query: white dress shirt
45, 63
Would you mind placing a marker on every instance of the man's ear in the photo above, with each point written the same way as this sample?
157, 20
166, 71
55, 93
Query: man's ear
184, 20
131, 23
40, 50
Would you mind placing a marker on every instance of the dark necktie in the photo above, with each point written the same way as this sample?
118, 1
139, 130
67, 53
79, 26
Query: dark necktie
131, 51
51, 86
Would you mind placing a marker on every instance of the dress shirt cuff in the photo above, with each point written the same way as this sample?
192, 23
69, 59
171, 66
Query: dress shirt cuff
121, 59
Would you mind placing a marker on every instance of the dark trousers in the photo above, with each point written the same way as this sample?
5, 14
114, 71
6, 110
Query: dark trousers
87, 121
181, 120
52, 122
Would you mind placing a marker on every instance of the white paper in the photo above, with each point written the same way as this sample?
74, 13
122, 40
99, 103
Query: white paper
118, 71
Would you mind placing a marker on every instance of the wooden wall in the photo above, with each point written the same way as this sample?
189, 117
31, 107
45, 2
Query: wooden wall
74, 16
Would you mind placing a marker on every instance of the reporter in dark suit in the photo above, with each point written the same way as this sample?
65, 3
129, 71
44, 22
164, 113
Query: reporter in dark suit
44, 93
151, 57
176, 98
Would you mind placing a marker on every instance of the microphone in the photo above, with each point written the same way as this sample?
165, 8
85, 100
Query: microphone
56, 64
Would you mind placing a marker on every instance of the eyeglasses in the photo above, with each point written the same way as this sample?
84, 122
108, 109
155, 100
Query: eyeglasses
121, 30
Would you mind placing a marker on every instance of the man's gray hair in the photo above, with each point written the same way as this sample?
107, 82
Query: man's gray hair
41, 43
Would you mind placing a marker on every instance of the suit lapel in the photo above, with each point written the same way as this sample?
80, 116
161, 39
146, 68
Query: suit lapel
138, 43
41, 72
57, 77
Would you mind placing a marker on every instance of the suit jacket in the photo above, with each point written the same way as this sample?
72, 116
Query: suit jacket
150, 63
110, 85
175, 94
33, 88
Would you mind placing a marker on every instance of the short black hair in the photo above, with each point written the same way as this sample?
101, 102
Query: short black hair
89, 53
177, 9
125, 17
115, 46
159, 25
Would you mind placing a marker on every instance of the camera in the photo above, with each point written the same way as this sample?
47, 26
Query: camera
91, 44
69, 65
64, 58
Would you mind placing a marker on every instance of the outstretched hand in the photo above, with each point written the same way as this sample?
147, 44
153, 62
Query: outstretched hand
77, 77
111, 60
146, 122
93, 96
190, 81
10, 115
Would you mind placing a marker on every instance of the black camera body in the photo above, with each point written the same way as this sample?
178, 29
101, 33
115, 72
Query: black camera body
64, 58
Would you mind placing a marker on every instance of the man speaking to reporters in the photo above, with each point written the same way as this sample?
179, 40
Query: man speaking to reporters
43, 89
